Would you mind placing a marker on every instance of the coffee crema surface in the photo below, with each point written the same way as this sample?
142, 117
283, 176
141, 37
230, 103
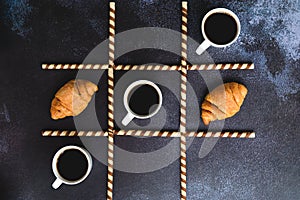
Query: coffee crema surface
220, 28
143, 100
72, 165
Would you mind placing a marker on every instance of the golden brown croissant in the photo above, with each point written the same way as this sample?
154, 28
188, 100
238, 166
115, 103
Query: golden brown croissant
72, 98
223, 102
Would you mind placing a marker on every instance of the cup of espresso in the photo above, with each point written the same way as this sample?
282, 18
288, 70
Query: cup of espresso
142, 100
71, 165
220, 28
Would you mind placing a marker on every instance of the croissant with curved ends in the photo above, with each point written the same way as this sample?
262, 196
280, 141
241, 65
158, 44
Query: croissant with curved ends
223, 102
72, 98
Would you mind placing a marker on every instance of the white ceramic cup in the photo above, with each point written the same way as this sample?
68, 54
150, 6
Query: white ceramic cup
207, 43
130, 114
59, 179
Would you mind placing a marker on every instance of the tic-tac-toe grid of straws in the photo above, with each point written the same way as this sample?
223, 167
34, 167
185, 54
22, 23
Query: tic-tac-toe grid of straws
182, 134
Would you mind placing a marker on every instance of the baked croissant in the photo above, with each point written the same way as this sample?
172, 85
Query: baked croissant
72, 98
223, 102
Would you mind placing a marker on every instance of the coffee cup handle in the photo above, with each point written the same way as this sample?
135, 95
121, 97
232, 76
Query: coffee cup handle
205, 44
128, 118
56, 183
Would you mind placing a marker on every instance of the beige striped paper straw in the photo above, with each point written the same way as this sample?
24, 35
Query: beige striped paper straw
58, 133
75, 66
110, 99
146, 133
222, 134
224, 66
110, 166
148, 67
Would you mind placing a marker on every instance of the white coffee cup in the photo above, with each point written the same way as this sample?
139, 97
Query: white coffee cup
59, 179
130, 114
207, 43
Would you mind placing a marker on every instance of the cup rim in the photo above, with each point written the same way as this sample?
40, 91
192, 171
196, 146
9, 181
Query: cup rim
60, 152
132, 86
225, 11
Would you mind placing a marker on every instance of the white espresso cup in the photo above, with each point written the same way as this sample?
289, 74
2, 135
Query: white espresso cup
59, 179
207, 42
131, 88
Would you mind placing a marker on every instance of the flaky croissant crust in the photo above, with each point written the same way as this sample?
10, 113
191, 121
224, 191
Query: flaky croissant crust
223, 102
72, 98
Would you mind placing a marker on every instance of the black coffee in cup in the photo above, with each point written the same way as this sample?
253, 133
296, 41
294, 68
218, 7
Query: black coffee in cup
143, 100
220, 28
72, 165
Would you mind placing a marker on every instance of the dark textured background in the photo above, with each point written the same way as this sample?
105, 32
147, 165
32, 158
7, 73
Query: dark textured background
34, 32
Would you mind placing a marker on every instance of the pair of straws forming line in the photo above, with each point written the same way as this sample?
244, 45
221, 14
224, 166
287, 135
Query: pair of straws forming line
182, 68
232, 66
145, 133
